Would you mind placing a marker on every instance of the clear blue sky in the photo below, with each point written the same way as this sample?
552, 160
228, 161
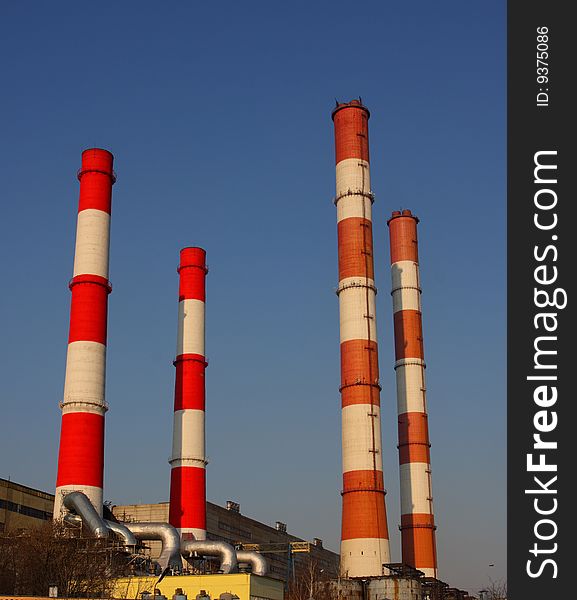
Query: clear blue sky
218, 115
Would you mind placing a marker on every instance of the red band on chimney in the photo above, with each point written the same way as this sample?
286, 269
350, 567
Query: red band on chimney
96, 179
408, 334
351, 132
192, 270
355, 238
189, 389
81, 456
88, 313
187, 498
403, 237
364, 515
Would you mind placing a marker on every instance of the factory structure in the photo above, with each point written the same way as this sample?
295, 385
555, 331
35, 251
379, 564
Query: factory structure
364, 534
193, 544
25, 508
81, 456
417, 521
188, 461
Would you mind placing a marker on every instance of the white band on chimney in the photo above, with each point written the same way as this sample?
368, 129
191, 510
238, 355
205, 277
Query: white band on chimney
92, 243
190, 339
361, 433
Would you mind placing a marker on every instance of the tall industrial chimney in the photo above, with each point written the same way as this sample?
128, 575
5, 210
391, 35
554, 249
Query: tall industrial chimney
187, 482
81, 456
417, 521
364, 535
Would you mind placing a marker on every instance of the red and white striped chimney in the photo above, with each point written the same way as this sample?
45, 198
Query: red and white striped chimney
364, 536
417, 520
187, 481
81, 456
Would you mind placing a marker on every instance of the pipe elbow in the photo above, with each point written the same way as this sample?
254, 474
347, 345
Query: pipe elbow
101, 532
226, 553
167, 534
79, 504
122, 531
257, 561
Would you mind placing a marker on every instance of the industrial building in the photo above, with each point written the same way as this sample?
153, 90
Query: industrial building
81, 454
417, 521
23, 507
253, 560
234, 586
238, 586
364, 531
187, 511
282, 550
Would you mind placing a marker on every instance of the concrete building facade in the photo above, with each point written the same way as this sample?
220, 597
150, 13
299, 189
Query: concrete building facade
23, 507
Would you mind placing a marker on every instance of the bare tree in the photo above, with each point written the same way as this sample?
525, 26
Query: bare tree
80, 566
309, 580
497, 590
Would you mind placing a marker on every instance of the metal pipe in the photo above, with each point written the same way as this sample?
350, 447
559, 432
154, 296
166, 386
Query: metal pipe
257, 561
114, 526
79, 504
227, 554
122, 531
167, 534
81, 454
72, 519
364, 533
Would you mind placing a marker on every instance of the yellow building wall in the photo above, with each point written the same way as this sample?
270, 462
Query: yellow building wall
244, 585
